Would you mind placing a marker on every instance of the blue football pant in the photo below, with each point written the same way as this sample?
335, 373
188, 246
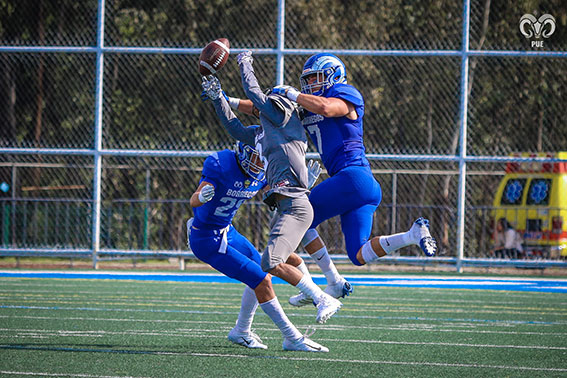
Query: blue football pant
353, 194
241, 260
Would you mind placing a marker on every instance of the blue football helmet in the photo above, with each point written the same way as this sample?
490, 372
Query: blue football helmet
249, 160
328, 69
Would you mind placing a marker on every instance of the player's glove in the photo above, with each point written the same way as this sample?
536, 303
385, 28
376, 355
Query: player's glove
287, 91
313, 172
245, 56
205, 97
232, 101
211, 87
207, 193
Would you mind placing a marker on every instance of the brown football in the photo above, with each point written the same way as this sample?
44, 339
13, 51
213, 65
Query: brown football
214, 56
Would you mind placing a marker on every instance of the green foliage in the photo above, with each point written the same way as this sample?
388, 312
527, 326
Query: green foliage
151, 101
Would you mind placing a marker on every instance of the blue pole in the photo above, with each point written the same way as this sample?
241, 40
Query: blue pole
281, 43
95, 234
463, 137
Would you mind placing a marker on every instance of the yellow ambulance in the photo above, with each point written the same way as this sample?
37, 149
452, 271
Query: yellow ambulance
533, 199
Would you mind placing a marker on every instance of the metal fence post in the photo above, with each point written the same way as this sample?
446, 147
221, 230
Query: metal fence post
463, 137
95, 234
281, 43
146, 211
394, 202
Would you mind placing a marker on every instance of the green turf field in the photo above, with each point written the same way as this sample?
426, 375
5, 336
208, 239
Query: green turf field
101, 328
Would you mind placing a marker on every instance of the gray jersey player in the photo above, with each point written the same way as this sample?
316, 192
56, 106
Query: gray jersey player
282, 143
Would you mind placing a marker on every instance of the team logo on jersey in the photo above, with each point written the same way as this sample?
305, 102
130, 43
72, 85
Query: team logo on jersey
312, 119
281, 184
247, 184
238, 184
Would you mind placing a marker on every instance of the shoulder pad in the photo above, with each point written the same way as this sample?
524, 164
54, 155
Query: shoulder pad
346, 92
212, 166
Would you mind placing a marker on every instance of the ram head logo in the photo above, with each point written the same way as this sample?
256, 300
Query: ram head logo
533, 27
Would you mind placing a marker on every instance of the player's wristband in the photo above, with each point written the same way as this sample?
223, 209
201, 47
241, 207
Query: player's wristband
292, 94
233, 102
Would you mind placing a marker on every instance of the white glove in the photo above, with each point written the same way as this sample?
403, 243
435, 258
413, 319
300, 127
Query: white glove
287, 91
245, 56
211, 87
207, 193
313, 172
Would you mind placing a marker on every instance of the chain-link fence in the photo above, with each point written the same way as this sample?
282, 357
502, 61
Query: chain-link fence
103, 133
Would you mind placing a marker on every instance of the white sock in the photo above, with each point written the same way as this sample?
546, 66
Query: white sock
248, 307
303, 269
327, 266
274, 310
307, 286
391, 243
368, 253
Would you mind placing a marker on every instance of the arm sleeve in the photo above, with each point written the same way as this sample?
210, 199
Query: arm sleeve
259, 99
232, 124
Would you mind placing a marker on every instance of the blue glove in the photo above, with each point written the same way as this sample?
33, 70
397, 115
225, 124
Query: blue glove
245, 56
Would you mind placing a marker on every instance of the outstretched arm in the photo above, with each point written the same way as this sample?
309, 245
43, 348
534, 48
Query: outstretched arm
254, 92
211, 85
325, 106
243, 105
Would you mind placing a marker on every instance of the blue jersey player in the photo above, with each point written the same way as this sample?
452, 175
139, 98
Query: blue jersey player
228, 179
333, 120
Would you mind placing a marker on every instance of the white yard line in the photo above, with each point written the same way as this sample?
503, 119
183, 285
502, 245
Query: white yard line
20, 333
43, 374
328, 327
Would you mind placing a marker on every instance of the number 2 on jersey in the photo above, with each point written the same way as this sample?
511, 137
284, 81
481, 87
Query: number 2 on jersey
232, 204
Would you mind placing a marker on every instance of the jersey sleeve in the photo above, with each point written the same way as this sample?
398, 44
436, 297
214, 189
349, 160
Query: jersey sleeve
232, 124
348, 93
212, 171
266, 105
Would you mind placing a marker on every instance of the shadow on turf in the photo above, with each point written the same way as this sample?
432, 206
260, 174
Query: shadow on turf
103, 348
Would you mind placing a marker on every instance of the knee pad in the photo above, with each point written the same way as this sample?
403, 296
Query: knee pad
309, 236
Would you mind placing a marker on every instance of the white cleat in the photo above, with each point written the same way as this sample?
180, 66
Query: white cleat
339, 290
247, 339
327, 307
421, 236
303, 345
300, 300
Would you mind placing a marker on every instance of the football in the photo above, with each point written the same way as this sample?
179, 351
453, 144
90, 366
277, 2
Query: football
214, 56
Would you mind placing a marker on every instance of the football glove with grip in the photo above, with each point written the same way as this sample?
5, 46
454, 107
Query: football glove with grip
313, 172
245, 56
232, 101
287, 91
207, 193
211, 87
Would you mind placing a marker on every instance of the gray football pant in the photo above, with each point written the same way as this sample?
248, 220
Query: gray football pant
292, 219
